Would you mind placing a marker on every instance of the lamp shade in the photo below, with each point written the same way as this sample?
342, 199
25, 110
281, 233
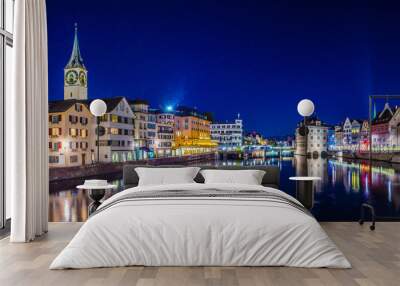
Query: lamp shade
305, 107
98, 107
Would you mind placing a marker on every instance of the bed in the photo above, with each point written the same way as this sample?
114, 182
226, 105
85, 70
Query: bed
197, 224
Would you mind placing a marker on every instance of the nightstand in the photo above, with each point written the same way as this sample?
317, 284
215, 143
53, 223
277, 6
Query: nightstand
304, 190
96, 193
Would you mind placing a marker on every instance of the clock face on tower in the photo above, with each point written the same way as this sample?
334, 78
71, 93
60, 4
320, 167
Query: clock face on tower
71, 77
82, 78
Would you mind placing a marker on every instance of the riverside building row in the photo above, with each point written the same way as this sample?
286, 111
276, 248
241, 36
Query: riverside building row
126, 132
130, 130
353, 135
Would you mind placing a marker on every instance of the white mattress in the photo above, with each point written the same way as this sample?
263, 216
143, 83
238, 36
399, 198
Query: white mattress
200, 232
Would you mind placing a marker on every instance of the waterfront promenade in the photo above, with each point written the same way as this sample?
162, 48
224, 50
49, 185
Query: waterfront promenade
390, 157
102, 169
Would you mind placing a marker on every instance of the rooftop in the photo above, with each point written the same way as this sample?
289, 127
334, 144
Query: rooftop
384, 116
64, 105
189, 111
138, 101
112, 102
313, 121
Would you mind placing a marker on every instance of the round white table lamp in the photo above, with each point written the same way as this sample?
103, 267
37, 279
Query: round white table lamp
305, 107
98, 108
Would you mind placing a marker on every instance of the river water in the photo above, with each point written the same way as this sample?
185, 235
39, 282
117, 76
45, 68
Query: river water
345, 185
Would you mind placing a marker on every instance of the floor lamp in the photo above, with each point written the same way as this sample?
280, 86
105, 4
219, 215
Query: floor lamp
98, 108
305, 108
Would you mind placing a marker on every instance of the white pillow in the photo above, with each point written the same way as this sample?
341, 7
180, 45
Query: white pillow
248, 177
166, 176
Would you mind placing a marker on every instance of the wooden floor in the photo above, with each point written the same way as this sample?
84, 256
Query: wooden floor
375, 257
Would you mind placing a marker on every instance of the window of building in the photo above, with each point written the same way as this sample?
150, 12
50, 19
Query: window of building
73, 119
84, 133
55, 118
53, 159
114, 131
54, 132
104, 118
73, 159
78, 107
83, 120
73, 132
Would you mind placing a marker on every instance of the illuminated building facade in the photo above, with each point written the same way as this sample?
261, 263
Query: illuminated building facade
364, 136
355, 134
394, 130
380, 130
192, 132
331, 139
254, 138
116, 142
70, 128
317, 139
70, 121
347, 134
140, 110
151, 133
339, 137
165, 139
352, 134
228, 135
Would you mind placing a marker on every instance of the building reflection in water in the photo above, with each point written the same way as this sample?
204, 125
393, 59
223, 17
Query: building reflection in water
72, 205
313, 168
344, 186
379, 183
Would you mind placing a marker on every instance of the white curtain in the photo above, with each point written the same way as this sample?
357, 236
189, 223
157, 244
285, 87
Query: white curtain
26, 124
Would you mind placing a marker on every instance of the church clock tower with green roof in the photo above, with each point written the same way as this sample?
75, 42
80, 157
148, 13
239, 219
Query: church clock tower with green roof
75, 74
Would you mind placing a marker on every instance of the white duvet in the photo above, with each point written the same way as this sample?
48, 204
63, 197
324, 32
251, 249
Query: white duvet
211, 231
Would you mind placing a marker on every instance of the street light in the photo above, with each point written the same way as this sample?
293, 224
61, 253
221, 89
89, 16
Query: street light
305, 108
98, 108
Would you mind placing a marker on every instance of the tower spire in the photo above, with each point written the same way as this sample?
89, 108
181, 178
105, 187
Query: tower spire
75, 60
75, 73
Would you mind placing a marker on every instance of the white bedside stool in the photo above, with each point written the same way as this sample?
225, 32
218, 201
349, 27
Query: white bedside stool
304, 190
96, 193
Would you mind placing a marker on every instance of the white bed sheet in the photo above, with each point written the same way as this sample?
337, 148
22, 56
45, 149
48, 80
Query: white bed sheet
200, 232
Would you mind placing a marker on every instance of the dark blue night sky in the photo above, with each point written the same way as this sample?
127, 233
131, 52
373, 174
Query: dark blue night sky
258, 58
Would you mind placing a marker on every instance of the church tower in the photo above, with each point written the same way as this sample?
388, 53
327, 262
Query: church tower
75, 74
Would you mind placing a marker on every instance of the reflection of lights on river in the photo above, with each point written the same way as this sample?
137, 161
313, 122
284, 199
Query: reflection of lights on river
355, 180
347, 186
334, 191
357, 169
67, 209
366, 187
333, 175
365, 168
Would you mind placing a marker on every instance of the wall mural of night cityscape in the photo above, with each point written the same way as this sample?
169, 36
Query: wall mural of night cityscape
219, 82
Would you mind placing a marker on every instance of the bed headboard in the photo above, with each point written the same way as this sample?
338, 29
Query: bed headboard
270, 179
